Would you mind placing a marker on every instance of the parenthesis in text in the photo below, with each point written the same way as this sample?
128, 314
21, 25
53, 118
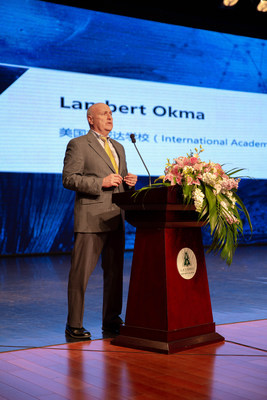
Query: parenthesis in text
155, 138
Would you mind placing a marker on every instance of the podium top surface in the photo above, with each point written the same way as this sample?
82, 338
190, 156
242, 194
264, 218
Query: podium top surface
164, 194
157, 198
157, 207
159, 195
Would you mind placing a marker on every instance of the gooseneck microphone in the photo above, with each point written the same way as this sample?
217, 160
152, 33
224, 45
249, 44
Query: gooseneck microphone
132, 136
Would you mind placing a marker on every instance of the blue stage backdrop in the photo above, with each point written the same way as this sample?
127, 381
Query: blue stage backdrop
174, 87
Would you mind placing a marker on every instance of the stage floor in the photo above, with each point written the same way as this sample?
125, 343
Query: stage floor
95, 370
33, 296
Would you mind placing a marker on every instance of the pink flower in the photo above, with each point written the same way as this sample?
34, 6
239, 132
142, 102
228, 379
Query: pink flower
198, 166
175, 169
189, 180
193, 160
179, 179
181, 161
170, 177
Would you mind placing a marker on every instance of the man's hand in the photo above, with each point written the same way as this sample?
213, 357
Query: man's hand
112, 180
130, 179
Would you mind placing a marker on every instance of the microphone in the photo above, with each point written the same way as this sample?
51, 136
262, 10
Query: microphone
132, 136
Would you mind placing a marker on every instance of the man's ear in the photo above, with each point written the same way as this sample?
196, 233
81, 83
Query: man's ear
90, 119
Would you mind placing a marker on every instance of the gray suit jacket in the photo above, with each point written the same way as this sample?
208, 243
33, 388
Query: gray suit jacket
85, 165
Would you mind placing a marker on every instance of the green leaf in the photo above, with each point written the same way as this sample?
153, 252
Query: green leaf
211, 199
244, 209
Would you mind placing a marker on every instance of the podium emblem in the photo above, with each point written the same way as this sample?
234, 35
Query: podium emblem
186, 263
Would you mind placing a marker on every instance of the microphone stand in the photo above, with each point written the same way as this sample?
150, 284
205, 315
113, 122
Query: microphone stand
134, 141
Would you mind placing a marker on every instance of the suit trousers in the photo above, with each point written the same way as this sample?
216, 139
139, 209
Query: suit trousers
86, 252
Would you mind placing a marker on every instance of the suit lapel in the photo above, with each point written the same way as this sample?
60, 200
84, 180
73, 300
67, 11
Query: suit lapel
93, 142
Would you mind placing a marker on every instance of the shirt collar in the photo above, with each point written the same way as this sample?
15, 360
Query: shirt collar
98, 135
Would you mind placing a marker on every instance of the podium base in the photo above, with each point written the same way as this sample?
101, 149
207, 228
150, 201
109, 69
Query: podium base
169, 343
167, 347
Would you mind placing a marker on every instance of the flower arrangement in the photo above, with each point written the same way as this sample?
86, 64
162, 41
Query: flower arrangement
214, 195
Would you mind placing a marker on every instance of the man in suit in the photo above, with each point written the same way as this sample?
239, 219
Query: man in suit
95, 168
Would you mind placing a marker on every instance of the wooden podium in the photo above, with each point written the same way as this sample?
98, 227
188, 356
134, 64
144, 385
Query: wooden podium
168, 308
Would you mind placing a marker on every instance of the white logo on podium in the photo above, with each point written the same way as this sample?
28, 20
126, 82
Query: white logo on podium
186, 263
